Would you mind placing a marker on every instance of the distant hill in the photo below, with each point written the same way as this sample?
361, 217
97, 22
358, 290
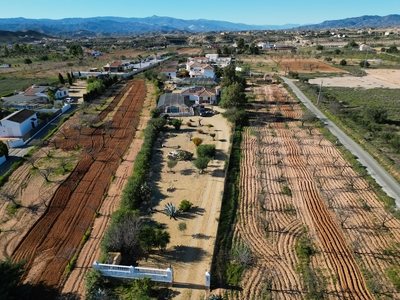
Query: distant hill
126, 26
20, 36
358, 22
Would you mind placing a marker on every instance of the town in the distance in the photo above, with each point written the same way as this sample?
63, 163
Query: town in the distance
160, 158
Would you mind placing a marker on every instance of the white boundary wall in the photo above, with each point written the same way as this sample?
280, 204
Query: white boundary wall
130, 272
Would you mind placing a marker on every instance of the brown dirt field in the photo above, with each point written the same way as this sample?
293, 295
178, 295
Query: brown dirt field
342, 213
303, 65
29, 189
188, 51
91, 250
378, 78
57, 235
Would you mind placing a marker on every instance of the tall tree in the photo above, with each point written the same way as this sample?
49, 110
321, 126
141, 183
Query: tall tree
233, 96
61, 79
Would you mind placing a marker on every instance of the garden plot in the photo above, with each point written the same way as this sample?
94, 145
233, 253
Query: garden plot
192, 233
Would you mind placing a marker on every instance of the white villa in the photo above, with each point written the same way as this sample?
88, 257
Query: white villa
18, 123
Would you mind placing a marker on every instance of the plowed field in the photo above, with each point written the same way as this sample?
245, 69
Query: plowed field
347, 224
57, 235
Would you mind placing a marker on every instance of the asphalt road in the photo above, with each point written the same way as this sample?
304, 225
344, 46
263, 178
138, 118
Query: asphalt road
383, 178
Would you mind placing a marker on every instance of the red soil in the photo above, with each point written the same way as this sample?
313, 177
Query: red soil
57, 235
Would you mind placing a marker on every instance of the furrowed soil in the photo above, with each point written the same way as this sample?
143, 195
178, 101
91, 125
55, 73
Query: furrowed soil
57, 236
91, 250
347, 224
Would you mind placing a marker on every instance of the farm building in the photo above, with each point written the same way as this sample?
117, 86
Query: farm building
174, 105
18, 123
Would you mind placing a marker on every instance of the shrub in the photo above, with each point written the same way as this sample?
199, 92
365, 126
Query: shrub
177, 123
185, 205
213, 136
201, 163
182, 226
206, 150
93, 283
197, 141
343, 62
171, 164
286, 191
364, 64
394, 275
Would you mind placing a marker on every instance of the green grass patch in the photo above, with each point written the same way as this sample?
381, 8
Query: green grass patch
9, 83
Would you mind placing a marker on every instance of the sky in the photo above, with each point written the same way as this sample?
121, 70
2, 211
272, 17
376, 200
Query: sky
257, 12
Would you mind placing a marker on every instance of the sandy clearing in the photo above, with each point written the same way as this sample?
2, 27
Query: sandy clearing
377, 78
190, 252
91, 250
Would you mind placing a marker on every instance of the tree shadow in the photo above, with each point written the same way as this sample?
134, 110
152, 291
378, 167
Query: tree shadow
201, 236
192, 213
218, 173
185, 254
187, 172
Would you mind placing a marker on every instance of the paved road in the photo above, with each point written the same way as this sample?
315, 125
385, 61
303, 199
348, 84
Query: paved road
383, 178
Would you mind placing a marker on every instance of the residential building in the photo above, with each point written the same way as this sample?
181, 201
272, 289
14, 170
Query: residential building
18, 123
202, 95
32, 98
200, 70
61, 93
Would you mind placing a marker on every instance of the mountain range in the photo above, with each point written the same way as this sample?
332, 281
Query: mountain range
358, 22
126, 26
112, 26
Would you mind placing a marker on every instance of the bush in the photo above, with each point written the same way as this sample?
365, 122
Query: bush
206, 150
93, 282
185, 205
364, 64
177, 123
197, 141
343, 62
394, 275
201, 163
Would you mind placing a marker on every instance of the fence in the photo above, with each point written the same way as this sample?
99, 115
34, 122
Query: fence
130, 272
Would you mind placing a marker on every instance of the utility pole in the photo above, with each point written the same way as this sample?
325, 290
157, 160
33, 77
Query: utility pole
320, 93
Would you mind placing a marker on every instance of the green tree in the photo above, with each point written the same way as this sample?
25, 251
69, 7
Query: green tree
61, 79
377, 114
206, 150
52, 95
3, 149
76, 50
364, 64
185, 205
27, 61
69, 79
343, 62
11, 274
177, 123
240, 44
201, 163
6, 51
320, 47
233, 96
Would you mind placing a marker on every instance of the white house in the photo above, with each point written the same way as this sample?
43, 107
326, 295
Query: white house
264, 46
61, 93
200, 70
18, 123
201, 95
